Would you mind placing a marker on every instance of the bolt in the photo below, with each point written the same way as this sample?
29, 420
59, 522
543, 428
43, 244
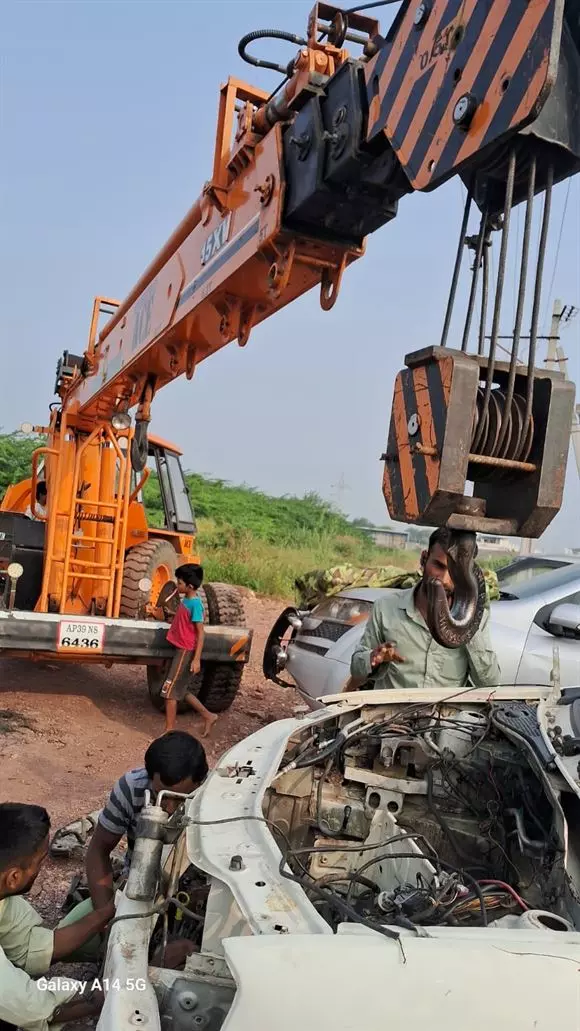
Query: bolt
187, 1000
413, 425
236, 863
323, 860
464, 110
421, 14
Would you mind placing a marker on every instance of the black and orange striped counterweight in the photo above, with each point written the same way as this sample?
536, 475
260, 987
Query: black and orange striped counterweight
447, 431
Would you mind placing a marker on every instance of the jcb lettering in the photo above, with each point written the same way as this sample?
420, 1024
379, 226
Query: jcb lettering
440, 46
216, 240
142, 325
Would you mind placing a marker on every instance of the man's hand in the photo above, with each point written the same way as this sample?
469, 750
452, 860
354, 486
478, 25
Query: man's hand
385, 653
79, 1007
176, 953
195, 665
107, 912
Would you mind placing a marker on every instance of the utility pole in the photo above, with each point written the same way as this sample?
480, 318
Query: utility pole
557, 360
338, 490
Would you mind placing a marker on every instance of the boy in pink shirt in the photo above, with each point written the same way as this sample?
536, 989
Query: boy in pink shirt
186, 635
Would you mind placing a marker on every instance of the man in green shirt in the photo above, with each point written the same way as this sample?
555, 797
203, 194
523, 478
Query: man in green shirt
27, 947
397, 649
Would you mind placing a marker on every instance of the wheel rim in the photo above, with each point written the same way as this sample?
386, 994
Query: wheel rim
160, 577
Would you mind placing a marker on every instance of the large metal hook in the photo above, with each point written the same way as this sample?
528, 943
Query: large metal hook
454, 627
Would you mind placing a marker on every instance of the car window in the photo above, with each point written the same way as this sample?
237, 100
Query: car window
563, 578
521, 574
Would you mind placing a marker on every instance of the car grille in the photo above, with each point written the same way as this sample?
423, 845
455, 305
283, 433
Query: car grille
306, 647
329, 629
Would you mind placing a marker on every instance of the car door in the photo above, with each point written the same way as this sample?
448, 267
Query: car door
538, 655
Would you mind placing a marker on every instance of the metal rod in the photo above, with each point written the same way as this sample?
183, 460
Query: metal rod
537, 299
474, 279
503, 463
509, 193
509, 336
456, 271
484, 297
505, 422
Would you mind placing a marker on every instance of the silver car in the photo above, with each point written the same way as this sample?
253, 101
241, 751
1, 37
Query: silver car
539, 608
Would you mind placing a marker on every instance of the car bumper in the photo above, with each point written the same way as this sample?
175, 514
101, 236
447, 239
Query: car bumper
36, 635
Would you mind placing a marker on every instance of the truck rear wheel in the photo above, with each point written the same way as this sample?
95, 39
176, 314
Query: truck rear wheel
154, 561
218, 683
221, 680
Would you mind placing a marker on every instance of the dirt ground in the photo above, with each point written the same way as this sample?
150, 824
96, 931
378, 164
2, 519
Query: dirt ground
67, 733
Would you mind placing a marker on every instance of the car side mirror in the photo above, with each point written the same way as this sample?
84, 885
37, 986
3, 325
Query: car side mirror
565, 620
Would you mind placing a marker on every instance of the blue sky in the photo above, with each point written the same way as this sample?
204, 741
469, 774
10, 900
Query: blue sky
107, 123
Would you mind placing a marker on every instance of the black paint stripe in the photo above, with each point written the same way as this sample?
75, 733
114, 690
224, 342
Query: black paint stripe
447, 17
520, 81
419, 467
384, 53
438, 405
408, 113
220, 260
394, 473
395, 82
463, 52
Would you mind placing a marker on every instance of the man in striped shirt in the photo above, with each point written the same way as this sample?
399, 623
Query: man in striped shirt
175, 762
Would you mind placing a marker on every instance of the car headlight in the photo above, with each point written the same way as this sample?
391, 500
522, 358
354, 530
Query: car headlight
344, 610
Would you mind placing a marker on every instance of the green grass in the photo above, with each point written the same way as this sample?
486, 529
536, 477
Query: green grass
250, 539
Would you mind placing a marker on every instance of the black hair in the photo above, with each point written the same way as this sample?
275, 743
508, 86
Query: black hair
191, 574
23, 828
175, 757
41, 489
443, 537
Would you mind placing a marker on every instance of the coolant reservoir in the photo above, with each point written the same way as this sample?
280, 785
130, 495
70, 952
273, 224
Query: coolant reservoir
536, 920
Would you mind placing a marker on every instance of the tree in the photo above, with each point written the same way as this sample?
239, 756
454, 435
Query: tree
15, 458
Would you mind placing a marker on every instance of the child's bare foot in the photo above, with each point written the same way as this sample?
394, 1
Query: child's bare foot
208, 723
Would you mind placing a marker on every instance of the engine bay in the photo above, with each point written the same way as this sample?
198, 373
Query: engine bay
441, 817
410, 820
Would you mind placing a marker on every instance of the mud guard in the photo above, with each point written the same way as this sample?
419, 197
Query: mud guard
274, 640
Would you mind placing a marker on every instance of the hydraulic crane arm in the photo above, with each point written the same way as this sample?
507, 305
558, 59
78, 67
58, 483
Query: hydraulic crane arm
485, 89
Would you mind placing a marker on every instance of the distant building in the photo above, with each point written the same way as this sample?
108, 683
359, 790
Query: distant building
491, 542
396, 540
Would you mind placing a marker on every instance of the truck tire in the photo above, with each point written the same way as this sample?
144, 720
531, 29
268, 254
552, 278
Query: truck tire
155, 560
221, 680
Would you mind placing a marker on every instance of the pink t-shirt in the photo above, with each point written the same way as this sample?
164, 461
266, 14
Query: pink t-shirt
183, 631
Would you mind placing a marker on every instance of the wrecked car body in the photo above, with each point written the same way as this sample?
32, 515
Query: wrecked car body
404, 857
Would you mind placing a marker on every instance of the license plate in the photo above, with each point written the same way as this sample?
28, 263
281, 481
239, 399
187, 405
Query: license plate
81, 636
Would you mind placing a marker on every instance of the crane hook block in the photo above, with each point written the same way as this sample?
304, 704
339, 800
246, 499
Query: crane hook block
455, 626
450, 428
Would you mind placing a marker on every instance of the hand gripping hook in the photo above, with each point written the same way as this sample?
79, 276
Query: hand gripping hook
454, 627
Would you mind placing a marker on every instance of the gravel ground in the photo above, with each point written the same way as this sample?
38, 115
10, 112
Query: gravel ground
67, 733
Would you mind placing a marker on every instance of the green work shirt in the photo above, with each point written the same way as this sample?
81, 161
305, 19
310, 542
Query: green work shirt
26, 949
396, 620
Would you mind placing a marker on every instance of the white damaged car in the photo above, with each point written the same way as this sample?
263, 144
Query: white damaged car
394, 860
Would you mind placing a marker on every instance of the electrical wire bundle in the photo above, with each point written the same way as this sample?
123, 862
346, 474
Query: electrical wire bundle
468, 892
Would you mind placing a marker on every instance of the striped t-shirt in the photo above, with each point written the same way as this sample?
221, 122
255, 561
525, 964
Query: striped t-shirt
124, 806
